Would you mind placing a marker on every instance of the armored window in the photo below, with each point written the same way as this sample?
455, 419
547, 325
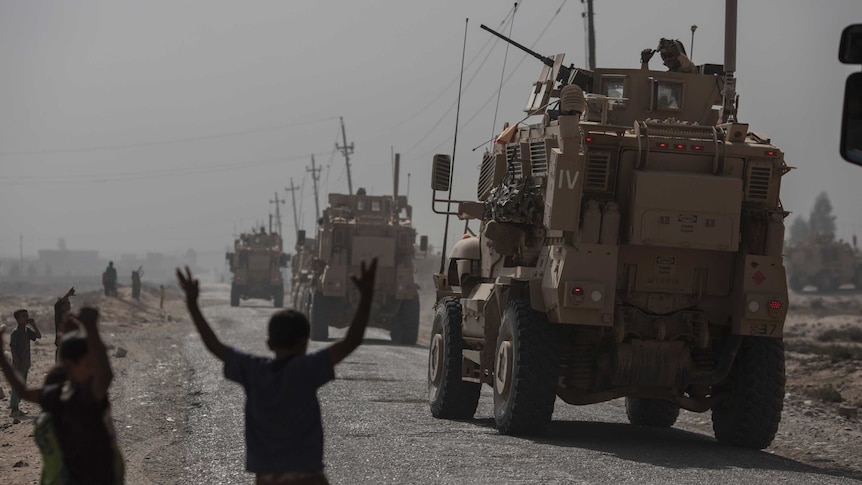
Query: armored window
668, 95
375, 206
613, 87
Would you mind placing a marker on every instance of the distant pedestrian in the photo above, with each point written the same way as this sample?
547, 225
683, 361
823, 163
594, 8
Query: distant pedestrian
161, 296
75, 400
19, 342
62, 324
136, 282
109, 279
283, 428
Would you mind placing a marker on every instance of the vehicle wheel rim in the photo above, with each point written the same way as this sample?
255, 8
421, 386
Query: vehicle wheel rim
503, 368
435, 366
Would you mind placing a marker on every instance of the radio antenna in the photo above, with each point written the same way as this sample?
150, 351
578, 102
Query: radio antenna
454, 148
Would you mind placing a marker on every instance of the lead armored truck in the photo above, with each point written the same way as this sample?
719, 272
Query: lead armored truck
629, 245
256, 263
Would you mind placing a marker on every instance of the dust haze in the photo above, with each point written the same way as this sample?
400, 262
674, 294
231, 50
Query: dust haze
136, 128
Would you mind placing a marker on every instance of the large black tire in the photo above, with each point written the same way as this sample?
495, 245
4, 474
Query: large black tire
320, 316
749, 417
796, 283
404, 329
526, 366
278, 296
651, 412
449, 396
234, 295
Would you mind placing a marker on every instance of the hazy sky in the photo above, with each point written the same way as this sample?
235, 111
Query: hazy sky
141, 126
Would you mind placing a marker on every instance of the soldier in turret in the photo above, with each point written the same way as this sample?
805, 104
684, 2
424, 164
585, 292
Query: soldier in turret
672, 54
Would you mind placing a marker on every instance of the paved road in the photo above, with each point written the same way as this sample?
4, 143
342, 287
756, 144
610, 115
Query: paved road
379, 429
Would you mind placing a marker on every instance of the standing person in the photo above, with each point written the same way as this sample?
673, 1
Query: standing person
62, 310
161, 296
283, 429
110, 278
75, 399
136, 282
19, 342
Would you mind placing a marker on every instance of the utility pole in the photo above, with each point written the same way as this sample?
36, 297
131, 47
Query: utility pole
591, 36
21, 255
292, 189
346, 150
315, 175
277, 213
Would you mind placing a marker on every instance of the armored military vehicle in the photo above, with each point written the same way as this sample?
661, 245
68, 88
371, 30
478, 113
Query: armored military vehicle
823, 262
629, 245
356, 228
256, 263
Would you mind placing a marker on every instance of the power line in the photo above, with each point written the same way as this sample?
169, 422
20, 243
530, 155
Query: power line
452, 83
104, 178
165, 142
491, 98
470, 81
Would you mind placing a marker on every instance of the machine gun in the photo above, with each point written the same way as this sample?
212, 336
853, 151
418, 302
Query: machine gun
566, 75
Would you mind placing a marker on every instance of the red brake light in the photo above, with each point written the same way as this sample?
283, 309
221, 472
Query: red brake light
697, 148
679, 146
588, 139
771, 153
774, 305
577, 291
661, 144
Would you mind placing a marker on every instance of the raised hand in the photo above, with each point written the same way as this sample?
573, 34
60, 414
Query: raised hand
365, 282
189, 285
71, 292
646, 55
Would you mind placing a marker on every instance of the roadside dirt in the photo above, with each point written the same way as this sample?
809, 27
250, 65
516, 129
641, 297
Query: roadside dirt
153, 388
139, 328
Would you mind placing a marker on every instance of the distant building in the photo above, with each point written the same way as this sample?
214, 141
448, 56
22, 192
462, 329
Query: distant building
66, 262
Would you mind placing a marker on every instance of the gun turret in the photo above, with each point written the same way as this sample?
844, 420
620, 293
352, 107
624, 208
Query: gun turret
566, 75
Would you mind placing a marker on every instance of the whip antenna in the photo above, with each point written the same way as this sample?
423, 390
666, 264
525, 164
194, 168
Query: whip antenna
454, 148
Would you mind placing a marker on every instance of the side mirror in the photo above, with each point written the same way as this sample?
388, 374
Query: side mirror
851, 121
423, 243
300, 237
441, 173
850, 52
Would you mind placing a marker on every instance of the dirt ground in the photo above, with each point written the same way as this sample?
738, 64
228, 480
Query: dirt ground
819, 426
126, 324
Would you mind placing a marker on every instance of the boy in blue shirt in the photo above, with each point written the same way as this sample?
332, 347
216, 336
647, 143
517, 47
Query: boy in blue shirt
283, 429
19, 343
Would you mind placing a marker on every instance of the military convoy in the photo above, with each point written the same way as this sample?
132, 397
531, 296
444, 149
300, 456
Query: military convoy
256, 263
352, 229
629, 245
824, 263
